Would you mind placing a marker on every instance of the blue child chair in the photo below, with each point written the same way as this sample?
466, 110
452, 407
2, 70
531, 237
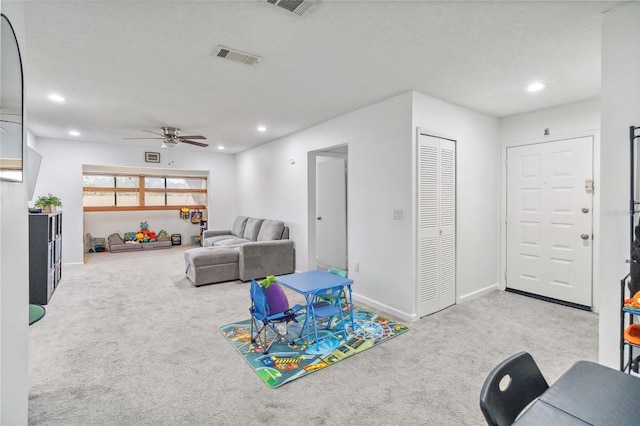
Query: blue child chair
265, 316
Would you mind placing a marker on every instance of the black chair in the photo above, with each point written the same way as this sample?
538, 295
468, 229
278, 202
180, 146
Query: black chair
510, 387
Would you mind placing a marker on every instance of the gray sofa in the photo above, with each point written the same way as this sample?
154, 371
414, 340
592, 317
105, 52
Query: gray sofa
252, 248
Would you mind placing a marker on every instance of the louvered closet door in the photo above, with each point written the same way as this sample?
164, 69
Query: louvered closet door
436, 224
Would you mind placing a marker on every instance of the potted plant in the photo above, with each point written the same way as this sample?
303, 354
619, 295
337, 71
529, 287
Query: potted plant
48, 203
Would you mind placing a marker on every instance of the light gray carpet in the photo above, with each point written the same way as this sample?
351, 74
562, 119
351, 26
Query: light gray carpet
128, 341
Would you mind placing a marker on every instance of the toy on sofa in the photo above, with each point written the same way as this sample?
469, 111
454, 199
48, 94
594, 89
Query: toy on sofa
145, 235
130, 237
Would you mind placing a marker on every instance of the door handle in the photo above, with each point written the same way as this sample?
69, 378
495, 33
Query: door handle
319, 217
584, 236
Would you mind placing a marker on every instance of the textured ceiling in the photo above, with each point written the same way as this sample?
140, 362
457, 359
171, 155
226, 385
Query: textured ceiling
125, 66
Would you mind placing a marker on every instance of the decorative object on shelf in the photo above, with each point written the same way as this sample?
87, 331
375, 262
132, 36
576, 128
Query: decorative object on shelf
196, 216
48, 203
184, 213
152, 157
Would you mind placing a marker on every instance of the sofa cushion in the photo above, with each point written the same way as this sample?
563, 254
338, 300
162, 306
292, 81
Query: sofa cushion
238, 226
271, 230
252, 228
214, 241
207, 257
115, 239
231, 242
115, 248
156, 245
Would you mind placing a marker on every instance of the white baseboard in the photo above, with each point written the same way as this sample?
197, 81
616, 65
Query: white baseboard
384, 308
478, 293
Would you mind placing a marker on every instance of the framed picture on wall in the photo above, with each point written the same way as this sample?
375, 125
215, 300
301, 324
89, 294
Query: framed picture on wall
152, 157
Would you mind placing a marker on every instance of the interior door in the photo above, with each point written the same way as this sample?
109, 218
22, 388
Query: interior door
549, 219
331, 213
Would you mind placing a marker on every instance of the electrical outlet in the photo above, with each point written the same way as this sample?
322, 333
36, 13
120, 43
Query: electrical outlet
356, 267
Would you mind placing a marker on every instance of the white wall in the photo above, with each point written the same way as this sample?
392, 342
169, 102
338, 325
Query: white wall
61, 174
620, 109
565, 121
14, 277
477, 188
562, 121
381, 139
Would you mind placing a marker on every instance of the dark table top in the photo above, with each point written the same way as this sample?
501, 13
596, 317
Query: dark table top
588, 393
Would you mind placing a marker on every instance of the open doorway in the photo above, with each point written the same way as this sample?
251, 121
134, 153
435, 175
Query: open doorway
328, 208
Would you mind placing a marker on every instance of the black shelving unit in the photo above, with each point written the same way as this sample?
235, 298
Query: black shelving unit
45, 256
627, 361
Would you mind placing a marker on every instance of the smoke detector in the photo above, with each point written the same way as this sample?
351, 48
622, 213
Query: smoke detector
236, 55
298, 7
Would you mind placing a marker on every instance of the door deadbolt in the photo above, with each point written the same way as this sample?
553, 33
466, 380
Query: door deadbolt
584, 236
585, 210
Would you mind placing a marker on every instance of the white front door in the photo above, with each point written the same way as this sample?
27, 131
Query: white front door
331, 213
549, 219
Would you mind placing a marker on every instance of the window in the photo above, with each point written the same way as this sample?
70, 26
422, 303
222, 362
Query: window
111, 192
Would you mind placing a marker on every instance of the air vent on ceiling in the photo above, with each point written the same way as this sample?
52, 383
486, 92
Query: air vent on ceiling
296, 6
236, 55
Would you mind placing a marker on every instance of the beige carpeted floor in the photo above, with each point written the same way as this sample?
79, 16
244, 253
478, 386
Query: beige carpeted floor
128, 341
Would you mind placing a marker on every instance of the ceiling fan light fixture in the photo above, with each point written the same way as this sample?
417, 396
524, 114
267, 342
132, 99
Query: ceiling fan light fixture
220, 147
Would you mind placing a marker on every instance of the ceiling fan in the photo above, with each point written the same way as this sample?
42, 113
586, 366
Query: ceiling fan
4, 119
170, 137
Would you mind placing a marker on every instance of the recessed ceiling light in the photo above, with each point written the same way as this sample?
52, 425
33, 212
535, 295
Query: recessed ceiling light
262, 129
74, 133
536, 87
56, 98
220, 147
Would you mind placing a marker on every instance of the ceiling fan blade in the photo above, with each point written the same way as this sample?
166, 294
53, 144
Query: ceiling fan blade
9, 121
193, 137
155, 133
143, 138
193, 142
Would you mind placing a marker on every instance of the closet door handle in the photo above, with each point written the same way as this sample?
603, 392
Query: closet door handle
584, 236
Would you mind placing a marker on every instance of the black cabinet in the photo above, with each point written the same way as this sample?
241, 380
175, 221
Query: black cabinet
45, 256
